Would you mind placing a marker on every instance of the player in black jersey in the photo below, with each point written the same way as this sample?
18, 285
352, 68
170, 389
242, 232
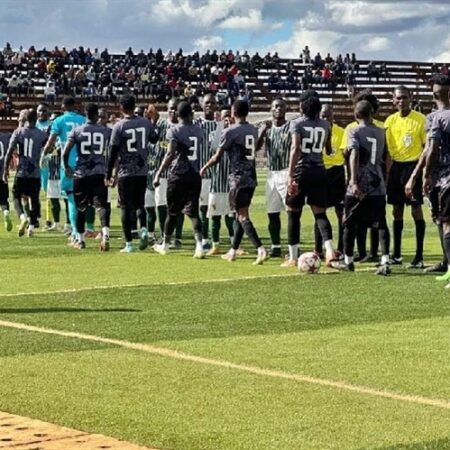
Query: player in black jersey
29, 142
129, 144
307, 176
239, 141
183, 181
365, 201
441, 88
90, 189
4, 190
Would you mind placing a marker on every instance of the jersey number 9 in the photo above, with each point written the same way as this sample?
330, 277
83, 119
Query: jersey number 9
250, 147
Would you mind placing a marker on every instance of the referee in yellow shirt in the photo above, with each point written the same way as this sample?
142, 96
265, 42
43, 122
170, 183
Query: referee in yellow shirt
406, 138
336, 185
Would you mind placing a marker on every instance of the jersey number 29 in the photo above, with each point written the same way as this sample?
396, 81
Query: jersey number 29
95, 140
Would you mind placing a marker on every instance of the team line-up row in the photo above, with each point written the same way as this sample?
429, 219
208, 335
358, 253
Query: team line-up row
208, 166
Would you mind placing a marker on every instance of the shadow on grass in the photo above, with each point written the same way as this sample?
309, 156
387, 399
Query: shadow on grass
440, 444
65, 310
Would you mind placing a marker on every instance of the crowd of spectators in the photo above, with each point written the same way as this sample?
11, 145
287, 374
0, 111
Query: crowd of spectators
154, 75
103, 76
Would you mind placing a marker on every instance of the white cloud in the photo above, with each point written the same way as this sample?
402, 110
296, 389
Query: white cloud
204, 43
373, 13
378, 44
251, 21
318, 41
388, 29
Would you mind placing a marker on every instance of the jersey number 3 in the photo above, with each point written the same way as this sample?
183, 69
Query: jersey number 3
193, 149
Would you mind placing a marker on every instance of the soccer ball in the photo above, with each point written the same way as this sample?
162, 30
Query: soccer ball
309, 263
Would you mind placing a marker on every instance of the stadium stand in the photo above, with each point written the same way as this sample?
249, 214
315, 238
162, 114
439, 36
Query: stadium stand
27, 77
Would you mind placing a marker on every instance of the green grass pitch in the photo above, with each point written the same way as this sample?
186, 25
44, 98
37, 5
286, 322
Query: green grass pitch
391, 335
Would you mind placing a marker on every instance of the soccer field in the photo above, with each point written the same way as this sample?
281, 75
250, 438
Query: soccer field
175, 353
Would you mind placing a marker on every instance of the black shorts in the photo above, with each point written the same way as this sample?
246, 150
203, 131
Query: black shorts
132, 192
444, 205
371, 210
312, 188
434, 203
183, 194
398, 177
90, 191
4, 193
336, 186
240, 197
28, 187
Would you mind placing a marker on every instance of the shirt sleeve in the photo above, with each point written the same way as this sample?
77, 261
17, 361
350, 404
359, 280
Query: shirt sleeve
171, 134
55, 128
353, 139
423, 132
72, 135
116, 135
436, 130
293, 127
225, 142
13, 140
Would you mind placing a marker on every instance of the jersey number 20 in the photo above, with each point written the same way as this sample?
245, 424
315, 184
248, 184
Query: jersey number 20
315, 141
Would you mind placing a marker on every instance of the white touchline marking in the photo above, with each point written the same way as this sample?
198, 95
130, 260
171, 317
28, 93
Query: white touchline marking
174, 354
168, 283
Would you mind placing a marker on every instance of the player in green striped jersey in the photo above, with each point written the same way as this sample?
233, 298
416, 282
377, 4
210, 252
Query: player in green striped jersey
274, 134
218, 204
209, 125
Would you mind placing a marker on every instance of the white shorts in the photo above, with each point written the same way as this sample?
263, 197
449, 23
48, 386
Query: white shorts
149, 198
276, 191
161, 193
204, 193
218, 204
109, 196
54, 189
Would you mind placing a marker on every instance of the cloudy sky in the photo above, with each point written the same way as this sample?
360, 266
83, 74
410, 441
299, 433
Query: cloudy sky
375, 29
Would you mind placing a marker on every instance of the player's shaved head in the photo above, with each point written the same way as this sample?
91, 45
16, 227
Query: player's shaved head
401, 89
128, 103
326, 113
43, 111
278, 108
69, 103
31, 116
185, 112
172, 106
103, 116
441, 87
209, 105
92, 112
240, 109
402, 99
363, 110
139, 110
